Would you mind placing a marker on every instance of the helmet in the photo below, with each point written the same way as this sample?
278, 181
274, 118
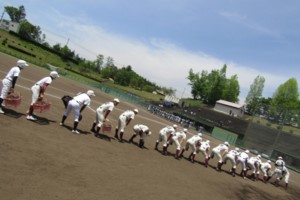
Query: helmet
226, 143
174, 126
54, 74
199, 134
90, 93
247, 151
185, 130
279, 157
136, 111
116, 100
22, 63
237, 149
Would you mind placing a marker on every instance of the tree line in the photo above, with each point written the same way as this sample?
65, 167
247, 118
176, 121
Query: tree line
283, 107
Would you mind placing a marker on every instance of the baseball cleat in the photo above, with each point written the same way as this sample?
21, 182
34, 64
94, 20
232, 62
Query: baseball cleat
1, 111
75, 131
30, 117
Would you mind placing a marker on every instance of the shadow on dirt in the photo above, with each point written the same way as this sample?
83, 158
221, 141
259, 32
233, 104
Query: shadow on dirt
104, 137
43, 121
12, 113
70, 128
137, 144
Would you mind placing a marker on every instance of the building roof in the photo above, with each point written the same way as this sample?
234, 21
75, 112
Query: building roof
228, 103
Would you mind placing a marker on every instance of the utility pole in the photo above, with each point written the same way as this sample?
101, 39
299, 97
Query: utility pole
67, 41
2, 18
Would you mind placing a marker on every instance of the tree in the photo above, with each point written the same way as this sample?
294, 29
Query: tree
16, 14
99, 62
232, 89
286, 99
31, 32
210, 87
110, 62
256, 89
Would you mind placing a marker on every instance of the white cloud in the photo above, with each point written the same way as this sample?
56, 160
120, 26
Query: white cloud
157, 60
248, 23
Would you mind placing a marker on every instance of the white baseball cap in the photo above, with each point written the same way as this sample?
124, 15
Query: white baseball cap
237, 149
116, 100
136, 110
185, 130
90, 93
22, 63
174, 126
247, 151
54, 74
199, 134
226, 143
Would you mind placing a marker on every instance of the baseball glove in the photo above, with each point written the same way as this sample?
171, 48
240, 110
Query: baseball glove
66, 100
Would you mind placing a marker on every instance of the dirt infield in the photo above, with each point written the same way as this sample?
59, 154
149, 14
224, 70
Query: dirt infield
42, 160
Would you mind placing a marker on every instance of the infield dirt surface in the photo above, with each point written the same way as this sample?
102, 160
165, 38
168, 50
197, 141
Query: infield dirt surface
42, 160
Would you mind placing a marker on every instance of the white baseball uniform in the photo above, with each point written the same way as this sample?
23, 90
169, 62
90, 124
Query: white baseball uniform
265, 168
124, 118
243, 159
7, 81
220, 150
101, 110
37, 87
254, 163
193, 142
286, 174
164, 133
76, 103
279, 166
204, 148
175, 138
141, 130
232, 156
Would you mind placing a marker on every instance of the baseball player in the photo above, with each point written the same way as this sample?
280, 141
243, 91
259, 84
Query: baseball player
178, 138
164, 136
194, 142
253, 164
78, 104
243, 159
124, 119
142, 131
278, 171
38, 90
204, 148
265, 168
9, 82
220, 151
102, 113
286, 176
232, 156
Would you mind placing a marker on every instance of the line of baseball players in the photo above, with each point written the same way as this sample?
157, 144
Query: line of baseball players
37, 90
168, 135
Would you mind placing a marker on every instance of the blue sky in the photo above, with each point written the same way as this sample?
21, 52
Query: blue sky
163, 39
